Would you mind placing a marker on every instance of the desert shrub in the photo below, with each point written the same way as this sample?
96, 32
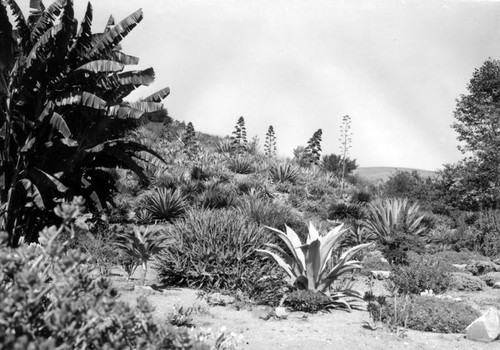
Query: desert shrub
307, 301
164, 204
344, 211
216, 197
49, 300
269, 290
461, 257
422, 273
397, 247
273, 214
241, 165
393, 215
423, 313
285, 172
466, 282
213, 249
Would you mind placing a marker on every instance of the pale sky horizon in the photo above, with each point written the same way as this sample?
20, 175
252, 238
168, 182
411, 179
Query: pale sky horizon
395, 67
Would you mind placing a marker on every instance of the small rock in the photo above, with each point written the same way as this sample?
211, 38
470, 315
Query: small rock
460, 267
381, 275
281, 312
496, 285
491, 278
486, 328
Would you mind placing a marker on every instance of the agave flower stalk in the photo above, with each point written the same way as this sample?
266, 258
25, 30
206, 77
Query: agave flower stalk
307, 264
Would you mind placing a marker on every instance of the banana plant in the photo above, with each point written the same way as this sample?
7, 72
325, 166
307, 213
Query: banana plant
307, 264
141, 245
63, 117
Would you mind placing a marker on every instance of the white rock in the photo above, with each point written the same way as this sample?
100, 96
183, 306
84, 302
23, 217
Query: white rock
281, 312
486, 328
496, 285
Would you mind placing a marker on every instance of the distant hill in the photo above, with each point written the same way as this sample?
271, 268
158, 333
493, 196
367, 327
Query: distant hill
383, 173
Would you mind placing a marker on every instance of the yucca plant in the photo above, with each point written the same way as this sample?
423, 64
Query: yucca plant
63, 118
240, 165
384, 218
283, 172
165, 204
141, 244
307, 264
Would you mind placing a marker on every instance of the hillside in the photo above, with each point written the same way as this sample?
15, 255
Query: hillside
383, 173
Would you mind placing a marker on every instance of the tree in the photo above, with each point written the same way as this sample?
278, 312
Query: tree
270, 144
63, 117
239, 138
477, 122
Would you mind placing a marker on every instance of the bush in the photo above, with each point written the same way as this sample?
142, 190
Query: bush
399, 246
466, 282
283, 173
459, 258
422, 273
49, 300
241, 165
307, 301
213, 249
344, 211
423, 313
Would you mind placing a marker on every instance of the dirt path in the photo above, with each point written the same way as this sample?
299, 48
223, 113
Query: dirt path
335, 330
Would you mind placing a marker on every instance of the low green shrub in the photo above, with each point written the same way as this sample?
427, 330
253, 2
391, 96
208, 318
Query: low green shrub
423, 313
344, 212
307, 301
213, 249
241, 165
399, 246
49, 300
422, 273
216, 197
466, 282
459, 258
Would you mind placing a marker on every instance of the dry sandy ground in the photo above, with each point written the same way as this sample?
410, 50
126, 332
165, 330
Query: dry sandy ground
335, 330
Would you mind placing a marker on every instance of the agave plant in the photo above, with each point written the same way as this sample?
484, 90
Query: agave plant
141, 245
165, 204
63, 117
241, 165
307, 264
392, 215
283, 172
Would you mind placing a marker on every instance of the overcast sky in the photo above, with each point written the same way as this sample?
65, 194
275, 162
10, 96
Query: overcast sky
396, 67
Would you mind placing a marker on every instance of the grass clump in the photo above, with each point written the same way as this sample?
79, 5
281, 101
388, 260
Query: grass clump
213, 249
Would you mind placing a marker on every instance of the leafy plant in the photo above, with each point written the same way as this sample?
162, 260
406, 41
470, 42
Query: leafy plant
308, 301
421, 274
164, 204
386, 217
141, 244
214, 249
62, 113
307, 264
49, 300
423, 313
284, 172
